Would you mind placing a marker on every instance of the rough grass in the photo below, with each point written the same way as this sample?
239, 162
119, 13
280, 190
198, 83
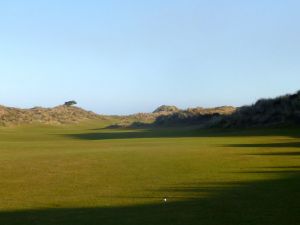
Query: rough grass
84, 174
52, 116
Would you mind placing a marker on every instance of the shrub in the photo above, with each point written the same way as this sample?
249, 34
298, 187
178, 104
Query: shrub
70, 103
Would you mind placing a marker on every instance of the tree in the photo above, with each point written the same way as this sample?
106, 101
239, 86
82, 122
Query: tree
70, 103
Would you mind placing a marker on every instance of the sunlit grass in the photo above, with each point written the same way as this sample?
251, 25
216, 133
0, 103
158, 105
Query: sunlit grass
85, 166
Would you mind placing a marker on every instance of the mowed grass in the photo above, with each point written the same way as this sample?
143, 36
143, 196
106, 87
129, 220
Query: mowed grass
84, 174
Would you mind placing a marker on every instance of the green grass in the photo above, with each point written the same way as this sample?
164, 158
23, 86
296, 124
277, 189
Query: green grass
88, 175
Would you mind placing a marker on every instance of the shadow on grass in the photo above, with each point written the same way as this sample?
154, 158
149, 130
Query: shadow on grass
278, 154
179, 132
271, 145
268, 145
131, 135
270, 202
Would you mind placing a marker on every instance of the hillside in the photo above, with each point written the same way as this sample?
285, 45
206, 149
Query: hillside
281, 111
70, 114
193, 116
57, 115
166, 109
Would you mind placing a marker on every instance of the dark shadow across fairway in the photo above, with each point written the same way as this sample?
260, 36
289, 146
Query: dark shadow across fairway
177, 133
129, 135
277, 154
275, 201
295, 145
268, 145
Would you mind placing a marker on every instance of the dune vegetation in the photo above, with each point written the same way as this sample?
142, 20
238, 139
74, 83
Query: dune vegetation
62, 114
274, 112
283, 110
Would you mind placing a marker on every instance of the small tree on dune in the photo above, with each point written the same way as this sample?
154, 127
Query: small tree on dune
70, 103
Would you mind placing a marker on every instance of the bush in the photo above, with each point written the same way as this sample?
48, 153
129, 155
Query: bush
70, 103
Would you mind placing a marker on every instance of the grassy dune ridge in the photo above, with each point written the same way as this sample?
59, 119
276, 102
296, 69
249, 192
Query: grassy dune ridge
85, 174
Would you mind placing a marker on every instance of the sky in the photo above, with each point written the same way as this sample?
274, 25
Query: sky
127, 56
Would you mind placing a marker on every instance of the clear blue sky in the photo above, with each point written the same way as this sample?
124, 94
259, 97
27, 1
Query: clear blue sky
125, 56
